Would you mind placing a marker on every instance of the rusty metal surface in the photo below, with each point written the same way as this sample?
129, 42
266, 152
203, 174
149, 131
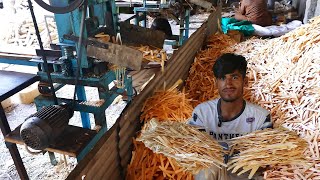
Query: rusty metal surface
136, 35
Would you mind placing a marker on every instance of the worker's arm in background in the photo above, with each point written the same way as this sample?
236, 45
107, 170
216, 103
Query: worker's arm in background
241, 12
240, 17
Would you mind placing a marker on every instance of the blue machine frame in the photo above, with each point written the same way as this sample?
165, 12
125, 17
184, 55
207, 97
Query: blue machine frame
70, 23
101, 12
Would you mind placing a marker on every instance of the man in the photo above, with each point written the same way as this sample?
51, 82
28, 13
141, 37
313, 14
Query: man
230, 115
255, 11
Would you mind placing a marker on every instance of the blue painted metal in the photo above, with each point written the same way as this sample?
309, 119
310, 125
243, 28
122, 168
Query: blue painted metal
128, 82
171, 42
91, 144
17, 61
52, 158
114, 15
98, 9
69, 23
136, 20
81, 94
186, 25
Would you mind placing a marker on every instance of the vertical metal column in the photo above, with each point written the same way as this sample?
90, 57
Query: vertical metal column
144, 22
186, 25
181, 28
5, 129
81, 94
129, 87
115, 16
136, 19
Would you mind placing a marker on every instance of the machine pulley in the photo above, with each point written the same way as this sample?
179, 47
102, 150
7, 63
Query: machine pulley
60, 10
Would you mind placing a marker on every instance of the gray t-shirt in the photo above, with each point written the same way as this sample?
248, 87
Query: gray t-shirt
251, 118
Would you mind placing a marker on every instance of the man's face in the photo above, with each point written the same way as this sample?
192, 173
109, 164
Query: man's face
230, 86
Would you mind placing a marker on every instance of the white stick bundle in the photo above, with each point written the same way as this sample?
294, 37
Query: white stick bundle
267, 147
193, 150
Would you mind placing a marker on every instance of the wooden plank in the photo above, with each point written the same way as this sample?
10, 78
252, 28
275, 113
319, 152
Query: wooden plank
15, 56
124, 162
214, 21
116, 54
113, 165
133, 34
131, 132
142, 77
128, 124
17, 50
144, 74
114, 175
127, 138
117, 175
106, 152
84, 166
110, 165
125, 149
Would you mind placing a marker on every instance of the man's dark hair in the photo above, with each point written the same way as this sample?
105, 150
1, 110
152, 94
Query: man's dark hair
228, 63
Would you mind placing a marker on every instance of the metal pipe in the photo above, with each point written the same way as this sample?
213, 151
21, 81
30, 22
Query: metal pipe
5, 129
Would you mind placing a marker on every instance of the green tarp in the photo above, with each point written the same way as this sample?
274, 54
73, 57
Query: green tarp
232, 24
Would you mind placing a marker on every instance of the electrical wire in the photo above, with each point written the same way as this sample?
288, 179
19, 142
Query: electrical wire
33, 152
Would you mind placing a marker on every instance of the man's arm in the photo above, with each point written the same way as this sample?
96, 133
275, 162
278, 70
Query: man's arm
240, 14
240, 17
